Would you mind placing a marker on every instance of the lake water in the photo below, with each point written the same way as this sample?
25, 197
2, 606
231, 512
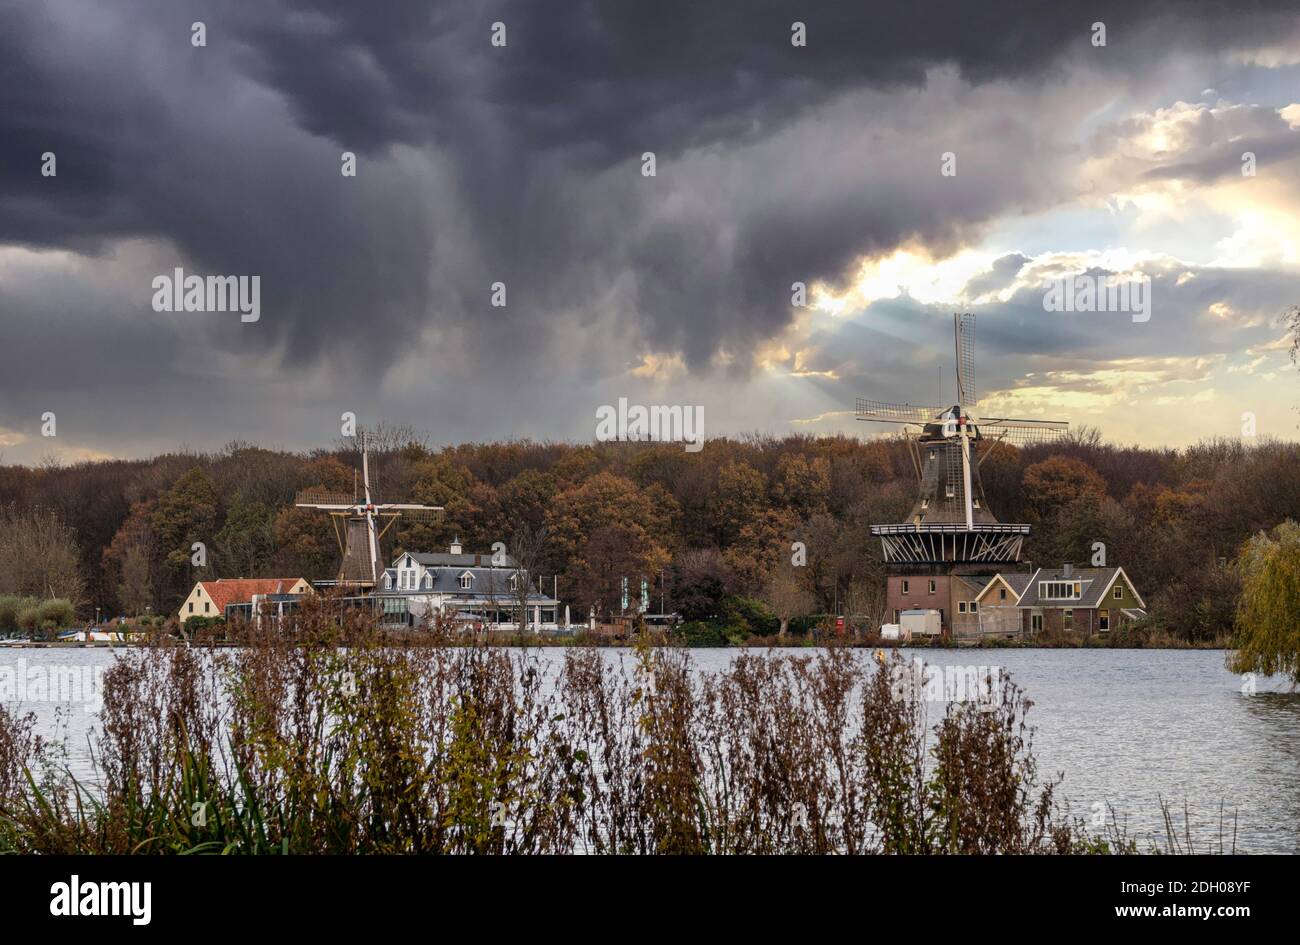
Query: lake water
1125, 727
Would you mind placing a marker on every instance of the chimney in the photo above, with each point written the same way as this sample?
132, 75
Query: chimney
1068, 569
455, 545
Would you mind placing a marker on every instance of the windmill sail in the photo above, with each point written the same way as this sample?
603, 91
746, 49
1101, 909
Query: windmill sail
964, 331
1024, 432
883, 412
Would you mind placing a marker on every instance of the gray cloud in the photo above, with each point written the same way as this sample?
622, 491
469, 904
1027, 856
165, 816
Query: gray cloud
517, 164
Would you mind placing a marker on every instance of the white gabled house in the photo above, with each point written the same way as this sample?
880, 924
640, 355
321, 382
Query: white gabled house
472, 589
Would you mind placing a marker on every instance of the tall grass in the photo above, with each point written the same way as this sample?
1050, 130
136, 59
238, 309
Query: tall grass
329, 739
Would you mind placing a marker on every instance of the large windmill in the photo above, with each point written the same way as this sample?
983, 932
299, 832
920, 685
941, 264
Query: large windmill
950, 522
360, 522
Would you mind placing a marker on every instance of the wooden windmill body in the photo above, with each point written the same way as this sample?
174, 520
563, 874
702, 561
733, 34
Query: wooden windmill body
360, 522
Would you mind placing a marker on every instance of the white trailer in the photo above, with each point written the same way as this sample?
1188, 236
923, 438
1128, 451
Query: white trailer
894, 632
921, 623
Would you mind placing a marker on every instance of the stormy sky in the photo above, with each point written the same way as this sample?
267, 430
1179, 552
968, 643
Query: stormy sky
523, 164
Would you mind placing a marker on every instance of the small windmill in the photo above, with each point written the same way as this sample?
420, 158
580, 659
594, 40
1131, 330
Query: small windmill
950, 521
360, 522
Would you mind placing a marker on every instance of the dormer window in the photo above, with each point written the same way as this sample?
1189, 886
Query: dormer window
1060, 590
465, 580
388, 582
428, 581
514, 582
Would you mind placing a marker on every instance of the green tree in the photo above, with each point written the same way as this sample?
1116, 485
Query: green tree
246, 541
185, 513
1268, 616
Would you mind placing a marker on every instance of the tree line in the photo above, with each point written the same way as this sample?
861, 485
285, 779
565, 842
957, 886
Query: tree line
707, 531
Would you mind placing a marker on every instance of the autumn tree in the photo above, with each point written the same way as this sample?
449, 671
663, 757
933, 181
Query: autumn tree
786, 593
527, 548
610, 554
135, 592
1059, 480
39, 556
802, 483
130, 562
605, 501
700, 579
738, 500
444, 483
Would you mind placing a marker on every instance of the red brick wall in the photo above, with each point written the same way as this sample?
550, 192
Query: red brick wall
918, 596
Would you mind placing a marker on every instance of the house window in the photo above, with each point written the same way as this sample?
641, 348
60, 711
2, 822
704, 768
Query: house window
895, 615
905, 587
514, 582
1036, 623
961, 607
191, 606
1002, 593
205, 607
948, 491
1059, 590
932, 586
1119, 592
465, 580
428, 581
1103, 620
1068, 617
974, 605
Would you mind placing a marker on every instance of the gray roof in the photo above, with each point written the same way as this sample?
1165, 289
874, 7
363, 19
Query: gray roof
485, 583
978, 581
438, 559
1095, 583
1018, 580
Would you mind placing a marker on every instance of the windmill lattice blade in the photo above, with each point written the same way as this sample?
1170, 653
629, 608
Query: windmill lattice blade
884, 412
1024, 432
313, 499
419, 514
966, 391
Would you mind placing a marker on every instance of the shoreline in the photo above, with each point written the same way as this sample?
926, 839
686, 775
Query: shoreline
748, 645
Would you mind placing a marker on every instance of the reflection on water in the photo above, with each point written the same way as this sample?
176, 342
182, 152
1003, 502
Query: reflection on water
1125, 727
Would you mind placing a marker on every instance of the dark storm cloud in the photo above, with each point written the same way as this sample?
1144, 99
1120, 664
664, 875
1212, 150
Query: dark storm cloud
518, 164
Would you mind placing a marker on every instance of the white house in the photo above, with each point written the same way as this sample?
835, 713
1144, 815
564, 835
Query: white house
473, 589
